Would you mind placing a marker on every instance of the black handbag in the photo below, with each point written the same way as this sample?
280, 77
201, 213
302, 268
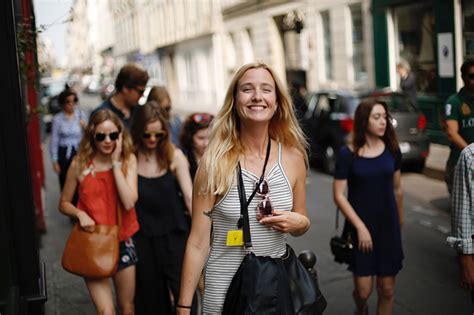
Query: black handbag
306, 295
341, 246
264, 285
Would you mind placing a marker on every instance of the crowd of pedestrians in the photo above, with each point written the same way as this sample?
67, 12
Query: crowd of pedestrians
174, 184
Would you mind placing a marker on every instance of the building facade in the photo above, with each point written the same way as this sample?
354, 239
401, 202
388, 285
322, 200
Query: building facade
434, 37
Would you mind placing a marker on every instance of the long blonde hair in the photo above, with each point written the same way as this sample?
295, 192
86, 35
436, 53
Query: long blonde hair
87, 147
220, 159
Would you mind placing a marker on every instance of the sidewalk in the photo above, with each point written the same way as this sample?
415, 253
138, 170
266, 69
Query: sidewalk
436, 161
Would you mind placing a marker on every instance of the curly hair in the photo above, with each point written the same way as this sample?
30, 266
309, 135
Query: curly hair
221, 156
144, 115
361, 124
87, 148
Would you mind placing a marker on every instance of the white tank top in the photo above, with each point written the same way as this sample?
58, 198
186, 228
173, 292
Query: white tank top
224, 261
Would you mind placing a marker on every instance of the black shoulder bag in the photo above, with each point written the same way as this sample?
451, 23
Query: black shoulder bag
264, 285
341, 246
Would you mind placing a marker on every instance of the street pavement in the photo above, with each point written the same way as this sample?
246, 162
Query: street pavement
426, 285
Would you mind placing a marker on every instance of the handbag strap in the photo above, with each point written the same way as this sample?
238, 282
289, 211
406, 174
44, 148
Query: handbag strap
244, 203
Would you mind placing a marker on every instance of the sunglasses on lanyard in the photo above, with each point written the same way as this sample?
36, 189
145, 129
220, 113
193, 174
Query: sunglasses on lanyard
265, 206
100, 136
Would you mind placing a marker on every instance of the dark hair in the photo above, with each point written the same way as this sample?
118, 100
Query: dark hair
158, 94
190, 127
131, 75
65, 94
143, 115
361, 123
465, 67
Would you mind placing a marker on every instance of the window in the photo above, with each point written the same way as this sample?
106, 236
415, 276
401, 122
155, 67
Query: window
358, 56
414, 28
327, 45
468, 28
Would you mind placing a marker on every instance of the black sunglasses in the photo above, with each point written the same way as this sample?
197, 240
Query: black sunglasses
470, 76
101, 136
140, 91
160, 135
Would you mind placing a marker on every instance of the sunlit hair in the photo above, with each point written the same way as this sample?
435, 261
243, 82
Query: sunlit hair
144, 115
87, 148
220, 159
191, 127
361, 125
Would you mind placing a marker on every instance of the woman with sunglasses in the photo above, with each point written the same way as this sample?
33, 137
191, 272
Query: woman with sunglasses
160, 95
194, 138
105, 173
66, 133
370, 171
257, 130
163, 173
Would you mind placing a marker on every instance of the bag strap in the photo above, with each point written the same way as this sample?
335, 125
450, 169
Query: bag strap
244, 203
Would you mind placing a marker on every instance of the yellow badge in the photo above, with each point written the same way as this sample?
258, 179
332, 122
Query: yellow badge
235, 238
465, 109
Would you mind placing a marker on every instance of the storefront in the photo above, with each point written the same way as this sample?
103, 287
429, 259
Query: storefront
433, 37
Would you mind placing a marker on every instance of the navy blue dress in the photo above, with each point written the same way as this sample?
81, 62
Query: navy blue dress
371, 194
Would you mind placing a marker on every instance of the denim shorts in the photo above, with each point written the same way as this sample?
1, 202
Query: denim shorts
127, 254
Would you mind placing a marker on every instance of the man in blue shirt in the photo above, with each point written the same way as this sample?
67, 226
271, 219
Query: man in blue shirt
129, 88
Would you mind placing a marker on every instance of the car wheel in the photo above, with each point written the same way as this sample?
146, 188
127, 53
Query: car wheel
329, 160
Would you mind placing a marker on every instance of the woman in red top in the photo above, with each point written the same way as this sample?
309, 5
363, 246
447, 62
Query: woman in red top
105, 173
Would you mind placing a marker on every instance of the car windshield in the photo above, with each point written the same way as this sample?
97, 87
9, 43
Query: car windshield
398, 103
348, 104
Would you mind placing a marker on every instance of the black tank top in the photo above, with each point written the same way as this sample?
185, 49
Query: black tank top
160, 207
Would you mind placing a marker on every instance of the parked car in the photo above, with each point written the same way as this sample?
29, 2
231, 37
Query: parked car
329, 121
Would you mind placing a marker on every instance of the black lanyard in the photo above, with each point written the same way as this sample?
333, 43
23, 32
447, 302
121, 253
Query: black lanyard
244, 203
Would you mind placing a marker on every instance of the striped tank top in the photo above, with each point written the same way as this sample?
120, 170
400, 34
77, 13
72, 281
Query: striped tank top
224, 261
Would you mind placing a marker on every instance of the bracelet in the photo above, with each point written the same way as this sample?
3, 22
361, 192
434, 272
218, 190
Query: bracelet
116, 164
183, 306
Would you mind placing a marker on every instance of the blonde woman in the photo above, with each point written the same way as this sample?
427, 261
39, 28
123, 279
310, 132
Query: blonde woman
105, 173
256, 115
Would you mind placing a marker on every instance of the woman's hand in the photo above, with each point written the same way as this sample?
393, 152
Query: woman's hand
117, 154
365, 239
85, 221
284, 221
56, 168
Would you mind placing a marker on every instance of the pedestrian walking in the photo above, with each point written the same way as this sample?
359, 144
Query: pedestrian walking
407, 80
462, 217
459, 112
256, 123
66, 133
105, 173
160, 95
163, 183
370, 170
130, 86
194, 138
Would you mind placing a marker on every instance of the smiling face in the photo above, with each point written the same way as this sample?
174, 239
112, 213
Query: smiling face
377, 121
153, 135
106, 146
256, 96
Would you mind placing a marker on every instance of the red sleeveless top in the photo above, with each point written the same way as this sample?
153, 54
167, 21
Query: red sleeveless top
98, 197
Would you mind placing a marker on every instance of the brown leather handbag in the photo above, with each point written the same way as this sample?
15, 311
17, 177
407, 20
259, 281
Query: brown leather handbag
93, 254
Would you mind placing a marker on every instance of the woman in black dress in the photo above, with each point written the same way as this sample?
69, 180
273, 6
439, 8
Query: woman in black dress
370, 169
163, 173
